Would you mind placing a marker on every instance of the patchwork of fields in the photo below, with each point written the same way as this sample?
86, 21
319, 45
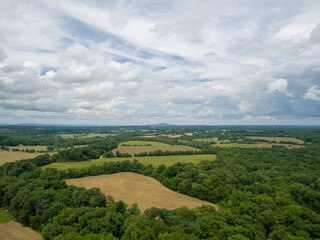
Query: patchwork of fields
154, 160
136, 188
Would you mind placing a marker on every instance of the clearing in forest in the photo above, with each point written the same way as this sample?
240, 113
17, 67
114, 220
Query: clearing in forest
8, 156
136, 188
153, 160
142, 149
135, 147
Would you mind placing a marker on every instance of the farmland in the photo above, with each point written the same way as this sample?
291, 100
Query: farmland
13, 230
142, 143
8, 156
141, 149
153, 160
24, 148
136, 188
263, 192
278, 139
85, 135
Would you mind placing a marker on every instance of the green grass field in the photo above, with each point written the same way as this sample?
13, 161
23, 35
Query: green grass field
240, 145
154, 160
143, 143
5, 217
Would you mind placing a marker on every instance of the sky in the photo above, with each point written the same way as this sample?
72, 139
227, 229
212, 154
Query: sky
144, 62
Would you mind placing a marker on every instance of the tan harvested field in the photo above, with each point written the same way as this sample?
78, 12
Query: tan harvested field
141, 149
44, 148
13, 230
6, 156
171, 135
136, 188
278, 139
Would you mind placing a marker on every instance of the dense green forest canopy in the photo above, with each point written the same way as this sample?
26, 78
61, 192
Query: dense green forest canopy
263, 193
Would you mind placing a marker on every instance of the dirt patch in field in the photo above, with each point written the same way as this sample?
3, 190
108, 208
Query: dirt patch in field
6, 156
142, 149
136, 188
188, 134
13, 230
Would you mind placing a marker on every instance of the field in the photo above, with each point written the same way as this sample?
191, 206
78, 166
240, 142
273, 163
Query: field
206, 139
278, 139
143, 143
155, 161
8, 156
171, 135
37, 148
142, 149
13, 230
256, 145
90, 135
136, 188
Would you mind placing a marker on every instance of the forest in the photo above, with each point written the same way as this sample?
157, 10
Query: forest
262, 193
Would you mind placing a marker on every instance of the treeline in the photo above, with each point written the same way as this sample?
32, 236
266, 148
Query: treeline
93, 151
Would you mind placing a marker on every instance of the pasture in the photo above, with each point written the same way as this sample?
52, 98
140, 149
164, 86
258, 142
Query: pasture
9, 156
36, 148
136, 188
86, 135
142, 149
154, 160
279, 139
207, 140
13, 230
142, 143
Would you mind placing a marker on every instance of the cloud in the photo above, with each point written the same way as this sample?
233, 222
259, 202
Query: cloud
278, 85
143, 62
312, 94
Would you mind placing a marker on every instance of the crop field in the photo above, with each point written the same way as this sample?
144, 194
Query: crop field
142, 149
143, 143
13, 230
278, 139
37, 148
154, 160
9, 156
206, 139
90, 135
136, 188
171, 135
